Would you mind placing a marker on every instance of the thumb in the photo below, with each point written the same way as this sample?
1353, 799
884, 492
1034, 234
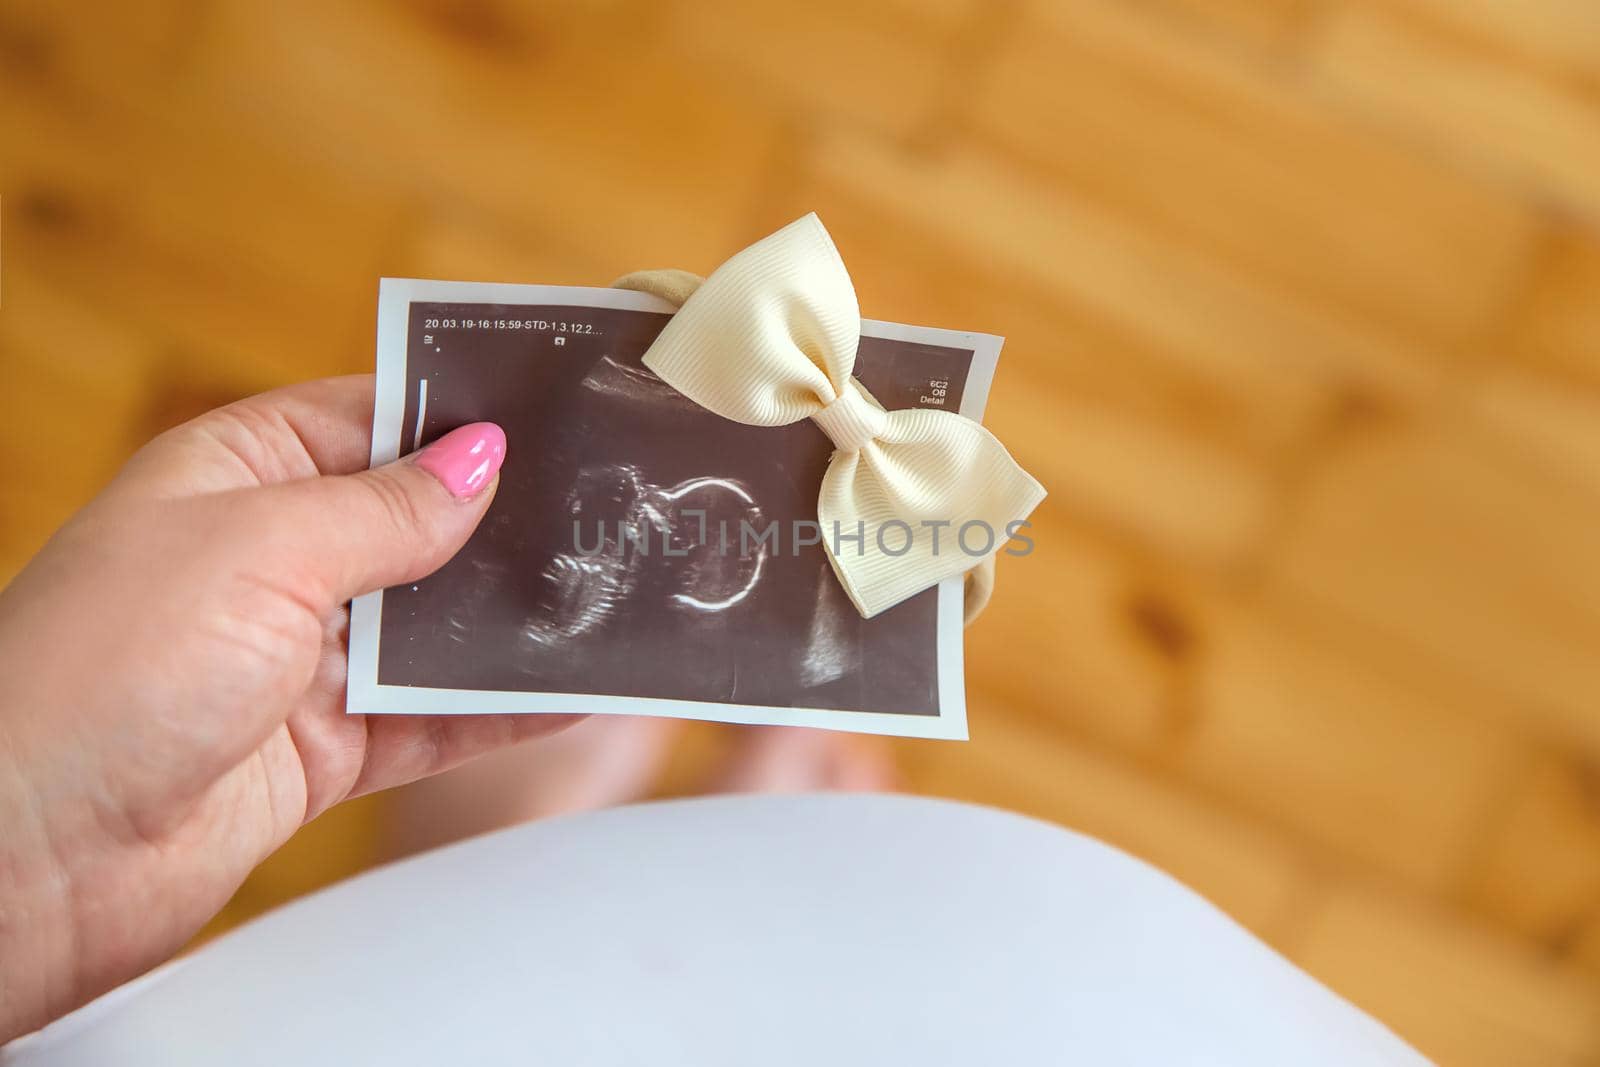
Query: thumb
351, 534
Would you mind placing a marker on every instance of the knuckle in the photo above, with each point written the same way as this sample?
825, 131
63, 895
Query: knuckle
270, 623
402, 512
248, 431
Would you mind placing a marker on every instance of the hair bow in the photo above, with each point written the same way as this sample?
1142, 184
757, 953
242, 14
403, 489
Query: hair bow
770, 338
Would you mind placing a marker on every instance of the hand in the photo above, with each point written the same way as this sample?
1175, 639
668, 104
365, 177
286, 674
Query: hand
172, 677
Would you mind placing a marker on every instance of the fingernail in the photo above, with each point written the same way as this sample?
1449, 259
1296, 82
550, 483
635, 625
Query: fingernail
465, 459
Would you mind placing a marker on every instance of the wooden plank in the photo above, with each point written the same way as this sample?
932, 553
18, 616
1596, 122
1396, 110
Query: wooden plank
1268, 28
1535, 134
907, 272
1540, 873
1148, 480
885, 64
1561, 36
1198, 314
1584, 949
1478, 561
1090, 659
660, 160
1548, 422
1178, 137
1557, 326
1463, 994
460, 244
1313, 736
128, 45
214, 246
77, 378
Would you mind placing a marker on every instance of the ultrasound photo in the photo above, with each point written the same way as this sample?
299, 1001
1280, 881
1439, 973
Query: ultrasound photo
642, 555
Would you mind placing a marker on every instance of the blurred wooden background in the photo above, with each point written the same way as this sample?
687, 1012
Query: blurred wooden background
1303, 307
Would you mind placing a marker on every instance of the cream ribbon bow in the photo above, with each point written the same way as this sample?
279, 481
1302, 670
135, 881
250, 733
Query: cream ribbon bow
770, 338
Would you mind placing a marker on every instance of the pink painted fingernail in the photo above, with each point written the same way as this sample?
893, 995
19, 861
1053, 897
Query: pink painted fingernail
465, 459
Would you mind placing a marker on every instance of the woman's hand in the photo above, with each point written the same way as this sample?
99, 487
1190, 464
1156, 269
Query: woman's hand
172, 677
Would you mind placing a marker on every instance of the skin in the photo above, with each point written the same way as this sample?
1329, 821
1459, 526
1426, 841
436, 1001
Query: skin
172, 682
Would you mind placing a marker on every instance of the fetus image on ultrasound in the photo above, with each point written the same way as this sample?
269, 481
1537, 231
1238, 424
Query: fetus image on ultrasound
601, 566
632, 519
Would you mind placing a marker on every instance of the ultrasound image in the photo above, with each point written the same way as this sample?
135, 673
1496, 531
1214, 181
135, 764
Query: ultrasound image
594, 572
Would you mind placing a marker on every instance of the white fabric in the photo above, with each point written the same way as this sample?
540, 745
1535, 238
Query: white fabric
770, 338
786, 931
